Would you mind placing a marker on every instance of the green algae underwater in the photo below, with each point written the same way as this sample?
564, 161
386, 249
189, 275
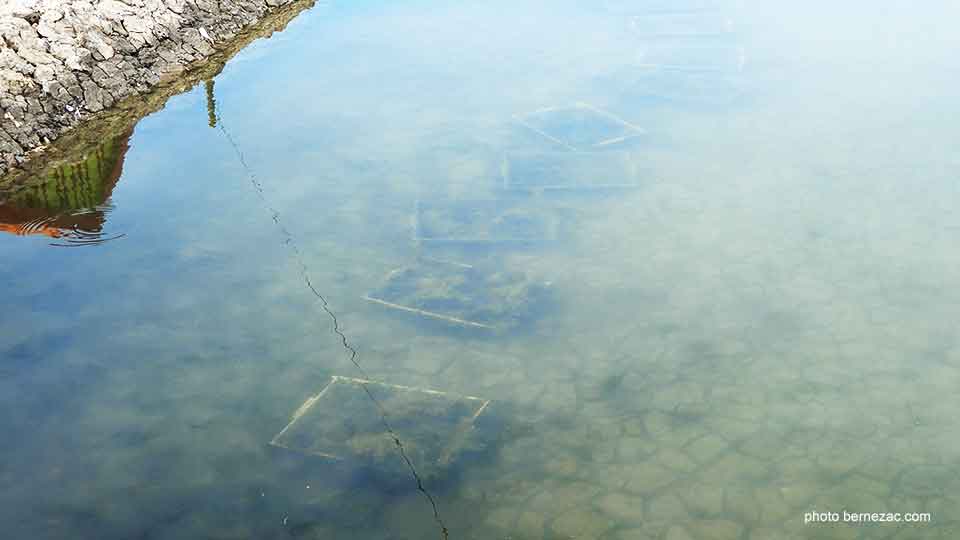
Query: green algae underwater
753, 321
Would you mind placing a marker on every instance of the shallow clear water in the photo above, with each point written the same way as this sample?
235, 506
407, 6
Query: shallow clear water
761, 324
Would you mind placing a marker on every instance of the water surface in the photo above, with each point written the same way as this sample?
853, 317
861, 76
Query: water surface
761, 323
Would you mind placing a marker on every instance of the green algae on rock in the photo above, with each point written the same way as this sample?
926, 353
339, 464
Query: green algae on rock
72, 200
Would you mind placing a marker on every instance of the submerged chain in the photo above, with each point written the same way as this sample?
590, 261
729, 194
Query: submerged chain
289, 241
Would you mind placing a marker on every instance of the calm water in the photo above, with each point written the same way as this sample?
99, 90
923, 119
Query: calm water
761, 325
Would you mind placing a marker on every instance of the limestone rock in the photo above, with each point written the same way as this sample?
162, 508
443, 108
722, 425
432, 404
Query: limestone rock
716, 529
581, 524
621, 507
678, 533
633, 534
502, 518
648, 477
530, 525
704, 500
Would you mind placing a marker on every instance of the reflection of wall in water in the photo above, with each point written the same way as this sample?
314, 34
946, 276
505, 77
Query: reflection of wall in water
211, 104
73, 200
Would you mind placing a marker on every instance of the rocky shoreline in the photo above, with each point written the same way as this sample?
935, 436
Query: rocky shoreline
103, 64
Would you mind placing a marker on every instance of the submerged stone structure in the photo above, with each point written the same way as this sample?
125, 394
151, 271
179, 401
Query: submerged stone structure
63, 62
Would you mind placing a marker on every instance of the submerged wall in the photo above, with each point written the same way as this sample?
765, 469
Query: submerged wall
66, 62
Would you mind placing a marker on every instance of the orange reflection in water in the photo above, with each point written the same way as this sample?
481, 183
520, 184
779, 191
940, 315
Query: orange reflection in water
72, 205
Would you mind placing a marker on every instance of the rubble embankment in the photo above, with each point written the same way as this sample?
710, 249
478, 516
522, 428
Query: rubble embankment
67, 63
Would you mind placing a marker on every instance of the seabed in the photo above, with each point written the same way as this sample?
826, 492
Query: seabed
342, 422
501, 221
685, 25
461, 294
571, 171
580, 127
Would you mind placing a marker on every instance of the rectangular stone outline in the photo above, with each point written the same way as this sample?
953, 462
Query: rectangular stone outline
465, 424
431, 314
636, 131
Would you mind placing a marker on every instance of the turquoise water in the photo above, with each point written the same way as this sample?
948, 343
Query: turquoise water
759, 324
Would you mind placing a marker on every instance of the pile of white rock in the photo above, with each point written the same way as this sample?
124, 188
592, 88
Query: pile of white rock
63, 60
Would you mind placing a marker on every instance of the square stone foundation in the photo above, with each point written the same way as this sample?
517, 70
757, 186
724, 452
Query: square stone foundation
579, 127
349, 418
